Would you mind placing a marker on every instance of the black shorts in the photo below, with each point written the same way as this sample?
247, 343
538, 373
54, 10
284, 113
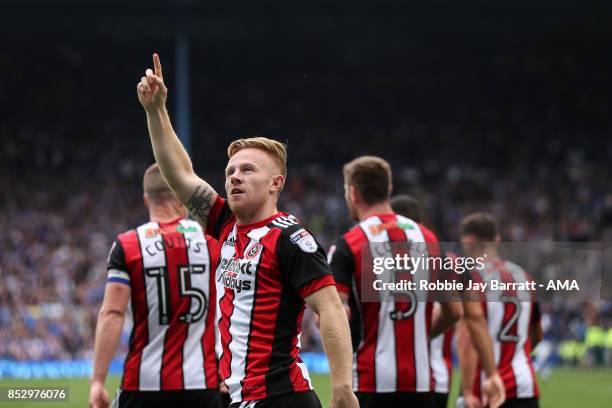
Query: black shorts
440, 400
394, 399
305, 399
521, 403
225, 400
164, 399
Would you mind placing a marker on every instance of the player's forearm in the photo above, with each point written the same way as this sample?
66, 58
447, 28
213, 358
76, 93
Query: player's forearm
108, 333
468, 358
170, 155
479, 333
445, 318
336, 338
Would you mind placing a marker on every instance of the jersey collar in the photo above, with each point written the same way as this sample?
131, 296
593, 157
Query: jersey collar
258, 224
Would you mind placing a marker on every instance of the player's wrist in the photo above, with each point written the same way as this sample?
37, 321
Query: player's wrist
342, 388
96, 381
467, 390
491, 374
156, 109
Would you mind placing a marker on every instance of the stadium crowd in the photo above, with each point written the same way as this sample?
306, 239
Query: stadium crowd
71, 165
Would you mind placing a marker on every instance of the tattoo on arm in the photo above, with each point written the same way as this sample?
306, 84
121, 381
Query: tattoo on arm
200, 203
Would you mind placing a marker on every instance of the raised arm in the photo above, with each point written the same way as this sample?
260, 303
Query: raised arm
196, 194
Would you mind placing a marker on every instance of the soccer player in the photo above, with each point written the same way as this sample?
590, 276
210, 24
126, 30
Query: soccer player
440, 353
390, 337
513, 321
270, 267
166, 268
441, 346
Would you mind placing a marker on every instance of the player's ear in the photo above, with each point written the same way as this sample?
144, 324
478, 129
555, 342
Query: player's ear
145, 198
278, 182
354, 194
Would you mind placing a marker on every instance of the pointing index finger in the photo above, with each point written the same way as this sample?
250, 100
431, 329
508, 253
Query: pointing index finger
157, 65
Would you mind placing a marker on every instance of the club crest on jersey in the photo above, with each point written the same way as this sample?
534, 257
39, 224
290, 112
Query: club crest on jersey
253, 251
304, 240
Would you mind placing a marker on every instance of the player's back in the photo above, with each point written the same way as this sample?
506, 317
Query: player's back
510, 315
391, 335
170, 269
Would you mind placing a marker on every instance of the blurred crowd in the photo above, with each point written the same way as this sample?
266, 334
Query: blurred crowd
522, 133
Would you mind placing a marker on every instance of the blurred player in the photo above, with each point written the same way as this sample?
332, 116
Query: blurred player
270, 267
440, 352
513, 321
390, 337
166, 268
441, 346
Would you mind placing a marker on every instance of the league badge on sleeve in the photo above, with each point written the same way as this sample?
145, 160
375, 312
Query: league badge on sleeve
304, 240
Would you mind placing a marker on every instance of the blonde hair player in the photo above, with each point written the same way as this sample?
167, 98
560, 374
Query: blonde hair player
270, 267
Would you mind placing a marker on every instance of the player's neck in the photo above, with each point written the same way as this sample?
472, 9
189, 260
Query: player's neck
376, 209
490, 254
254, 217
165, 214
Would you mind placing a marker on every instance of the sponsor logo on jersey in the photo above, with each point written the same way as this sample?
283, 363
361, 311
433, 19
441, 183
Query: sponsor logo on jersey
153, 232
236, 274
237, 265
231, 280
304, 240
378, 228
184, 230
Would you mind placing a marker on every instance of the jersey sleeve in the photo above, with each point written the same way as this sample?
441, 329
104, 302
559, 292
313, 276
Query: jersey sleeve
220, 213
342, 263
302, 261
117, 270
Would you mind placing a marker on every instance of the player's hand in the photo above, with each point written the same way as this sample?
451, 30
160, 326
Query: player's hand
152, 92
493, 391
223, 388
343, 398
98, 396
470, 401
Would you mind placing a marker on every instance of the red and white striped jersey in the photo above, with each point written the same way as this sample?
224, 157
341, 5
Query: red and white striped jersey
441, 354
390, 337
509, 318
265, 272
441, 359
169, 268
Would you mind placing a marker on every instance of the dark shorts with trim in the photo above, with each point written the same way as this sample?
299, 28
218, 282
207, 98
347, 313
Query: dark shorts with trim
305, 399
165, 399
521, 403
440, 400
394, 399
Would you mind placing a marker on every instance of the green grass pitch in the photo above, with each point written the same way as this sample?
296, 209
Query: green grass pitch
567, 387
